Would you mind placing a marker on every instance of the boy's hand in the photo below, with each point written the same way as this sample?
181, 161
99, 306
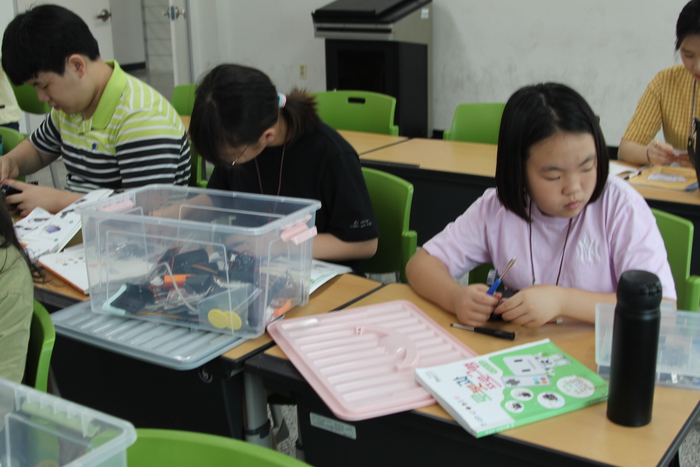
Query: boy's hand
33, 196
472, 305
8, 168
533, 306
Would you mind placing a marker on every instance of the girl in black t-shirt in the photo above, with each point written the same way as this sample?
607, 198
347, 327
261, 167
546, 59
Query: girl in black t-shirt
262, 141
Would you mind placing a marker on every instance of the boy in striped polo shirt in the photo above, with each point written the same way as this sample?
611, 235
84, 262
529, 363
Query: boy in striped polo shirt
113, 130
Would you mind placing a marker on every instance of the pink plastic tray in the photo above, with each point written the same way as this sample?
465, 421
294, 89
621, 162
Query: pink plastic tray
361, 361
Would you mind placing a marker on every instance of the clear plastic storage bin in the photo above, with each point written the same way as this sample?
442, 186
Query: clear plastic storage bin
678, 360
204, 259
38, 429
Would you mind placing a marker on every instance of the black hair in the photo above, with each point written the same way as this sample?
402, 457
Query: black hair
233, 107
531, 115
41, 39
688, 22
9, 240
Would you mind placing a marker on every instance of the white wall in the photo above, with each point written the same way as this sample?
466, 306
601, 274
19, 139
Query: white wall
275, 36
485, 49
129, 44
158, 44
7, 12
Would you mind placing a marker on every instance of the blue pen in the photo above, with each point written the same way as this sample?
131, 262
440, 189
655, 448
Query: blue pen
498, 281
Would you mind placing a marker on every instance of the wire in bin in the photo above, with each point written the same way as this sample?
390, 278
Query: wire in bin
180, 281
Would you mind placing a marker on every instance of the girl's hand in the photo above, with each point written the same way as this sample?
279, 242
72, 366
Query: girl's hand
533, 306
472, 305
660, 153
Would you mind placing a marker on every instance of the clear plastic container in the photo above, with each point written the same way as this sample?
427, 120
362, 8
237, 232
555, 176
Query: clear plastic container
41, 429
678, 360
204, 259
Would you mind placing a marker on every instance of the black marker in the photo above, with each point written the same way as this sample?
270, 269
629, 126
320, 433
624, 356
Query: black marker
488, 331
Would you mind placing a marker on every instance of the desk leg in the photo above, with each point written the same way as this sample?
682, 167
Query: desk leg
257, 424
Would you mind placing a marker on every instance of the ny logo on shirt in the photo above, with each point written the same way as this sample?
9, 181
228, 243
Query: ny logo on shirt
588, 250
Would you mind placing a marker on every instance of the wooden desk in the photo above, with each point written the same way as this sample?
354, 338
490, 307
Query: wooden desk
447, 177
361, 141
56, 294
429, 436
439, 155
208, 399
330, 296
337, 293
368, 142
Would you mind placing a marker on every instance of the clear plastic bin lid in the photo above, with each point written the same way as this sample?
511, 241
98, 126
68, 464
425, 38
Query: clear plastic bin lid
361, 361
161, 344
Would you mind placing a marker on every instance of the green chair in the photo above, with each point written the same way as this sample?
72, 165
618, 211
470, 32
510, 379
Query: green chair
391, 199
42, 337
29, 101
183, 101
170, 448
183, 98
480, 274
476, 123
357, 111
677, 233
10, 138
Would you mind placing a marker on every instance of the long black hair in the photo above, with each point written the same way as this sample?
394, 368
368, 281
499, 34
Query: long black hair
531, 115
9, 240
234, 105
688, 22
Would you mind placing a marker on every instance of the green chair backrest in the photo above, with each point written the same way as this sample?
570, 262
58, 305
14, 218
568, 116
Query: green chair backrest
29, 101
198, 169
480, 274
183, 98
391, 199
357, 111
476, 123
677, 233
10, 138
171, 448
183, 101
41, 341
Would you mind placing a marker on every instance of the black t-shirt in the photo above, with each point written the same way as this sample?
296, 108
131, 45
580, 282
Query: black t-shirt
320, 165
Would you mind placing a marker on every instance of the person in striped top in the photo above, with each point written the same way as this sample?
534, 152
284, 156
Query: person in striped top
669, 102
112, 130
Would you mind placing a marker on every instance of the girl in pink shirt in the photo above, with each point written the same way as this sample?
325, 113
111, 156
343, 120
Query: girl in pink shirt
572, 229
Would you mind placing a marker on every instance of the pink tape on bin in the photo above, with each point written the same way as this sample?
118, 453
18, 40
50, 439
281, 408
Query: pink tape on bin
119, 206
299, 232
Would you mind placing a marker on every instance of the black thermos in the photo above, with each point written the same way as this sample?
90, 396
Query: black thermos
635, 345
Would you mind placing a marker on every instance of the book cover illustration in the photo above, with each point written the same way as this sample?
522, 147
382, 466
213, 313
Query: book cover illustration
512, 387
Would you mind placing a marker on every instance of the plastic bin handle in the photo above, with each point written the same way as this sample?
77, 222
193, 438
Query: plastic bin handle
298, 233
119, 206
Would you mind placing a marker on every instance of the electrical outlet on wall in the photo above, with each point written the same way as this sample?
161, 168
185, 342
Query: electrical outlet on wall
302, 71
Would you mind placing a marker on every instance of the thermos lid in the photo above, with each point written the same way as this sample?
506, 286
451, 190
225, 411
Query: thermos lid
639, 289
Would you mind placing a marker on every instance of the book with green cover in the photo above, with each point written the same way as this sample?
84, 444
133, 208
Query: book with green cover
512, 387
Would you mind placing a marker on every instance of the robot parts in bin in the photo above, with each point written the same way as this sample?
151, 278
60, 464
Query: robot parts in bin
180, 278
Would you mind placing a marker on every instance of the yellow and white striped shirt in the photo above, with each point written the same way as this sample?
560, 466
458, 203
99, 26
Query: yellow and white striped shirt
667, 103
134, 138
